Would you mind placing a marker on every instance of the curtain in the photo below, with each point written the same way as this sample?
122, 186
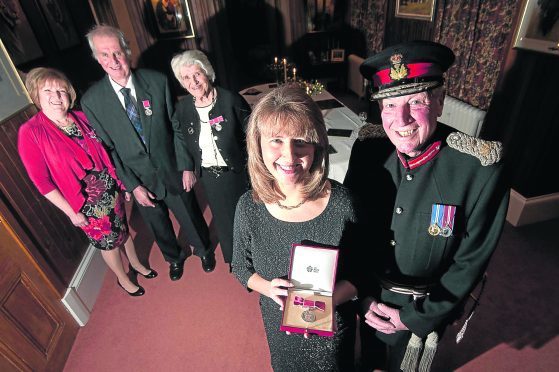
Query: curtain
478, 33
370, 17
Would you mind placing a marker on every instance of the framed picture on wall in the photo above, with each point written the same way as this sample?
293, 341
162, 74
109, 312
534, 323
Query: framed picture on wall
171, 18
537, 29
17, 34
423, 10
13, 94
337, 55
60, 23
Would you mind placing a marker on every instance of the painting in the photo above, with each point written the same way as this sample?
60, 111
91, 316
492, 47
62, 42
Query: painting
538, 28
423, 10
17, 34
13, 94
171, 18
60, 23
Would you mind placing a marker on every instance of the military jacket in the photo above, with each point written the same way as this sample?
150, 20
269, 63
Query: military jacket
395, 208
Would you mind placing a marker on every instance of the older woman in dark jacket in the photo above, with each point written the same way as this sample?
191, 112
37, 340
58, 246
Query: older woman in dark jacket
214, 120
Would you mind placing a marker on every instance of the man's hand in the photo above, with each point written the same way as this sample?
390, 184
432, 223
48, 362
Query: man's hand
144, 197
384, 318
188, 180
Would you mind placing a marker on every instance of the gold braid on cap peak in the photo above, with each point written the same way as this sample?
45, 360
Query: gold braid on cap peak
488, 152
371, 131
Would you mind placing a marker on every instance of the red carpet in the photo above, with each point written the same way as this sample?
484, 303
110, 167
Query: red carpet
203, 322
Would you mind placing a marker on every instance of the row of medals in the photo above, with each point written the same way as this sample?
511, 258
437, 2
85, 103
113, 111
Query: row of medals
435, 230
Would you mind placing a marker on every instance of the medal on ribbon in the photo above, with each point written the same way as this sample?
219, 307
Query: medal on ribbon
449, 212
147, 107
436, 220
308, 315
215, 122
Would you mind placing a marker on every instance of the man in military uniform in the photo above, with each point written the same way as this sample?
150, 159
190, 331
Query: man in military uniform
432, 214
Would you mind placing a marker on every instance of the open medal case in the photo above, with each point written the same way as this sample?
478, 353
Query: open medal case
308, 306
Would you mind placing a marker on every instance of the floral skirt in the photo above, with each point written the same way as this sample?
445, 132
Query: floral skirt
104, 209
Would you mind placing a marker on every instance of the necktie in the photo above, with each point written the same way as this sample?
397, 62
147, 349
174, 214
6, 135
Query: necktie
132, 112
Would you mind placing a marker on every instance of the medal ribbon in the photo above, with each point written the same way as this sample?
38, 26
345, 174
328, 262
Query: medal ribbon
309, 303
449, 211
436, 218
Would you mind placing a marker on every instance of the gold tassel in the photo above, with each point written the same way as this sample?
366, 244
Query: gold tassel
429, 352
411, 357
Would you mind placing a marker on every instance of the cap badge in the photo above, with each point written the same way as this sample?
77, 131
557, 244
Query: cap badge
398, 70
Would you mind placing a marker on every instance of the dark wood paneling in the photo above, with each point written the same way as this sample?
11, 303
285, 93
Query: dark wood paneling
51, 236
37, 331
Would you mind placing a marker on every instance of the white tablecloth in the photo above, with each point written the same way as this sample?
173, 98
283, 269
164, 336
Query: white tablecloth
334, 118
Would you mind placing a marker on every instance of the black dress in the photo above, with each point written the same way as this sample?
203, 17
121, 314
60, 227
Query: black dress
262, 245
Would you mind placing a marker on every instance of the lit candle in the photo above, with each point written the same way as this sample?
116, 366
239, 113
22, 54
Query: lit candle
294, 73
284, 70
275, 60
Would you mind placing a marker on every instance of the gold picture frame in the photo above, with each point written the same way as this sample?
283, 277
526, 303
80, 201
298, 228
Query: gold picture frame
529, 34
423, 10
13, 95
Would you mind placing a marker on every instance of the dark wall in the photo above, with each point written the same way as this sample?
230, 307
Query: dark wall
524, 115
75, 60
399, 30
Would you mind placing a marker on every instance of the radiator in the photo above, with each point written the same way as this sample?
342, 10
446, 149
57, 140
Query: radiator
462, 116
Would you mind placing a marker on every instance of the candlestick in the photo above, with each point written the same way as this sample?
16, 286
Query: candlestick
294, 73
284, 70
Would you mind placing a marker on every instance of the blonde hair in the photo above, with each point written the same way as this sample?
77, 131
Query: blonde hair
291, 111
37, 78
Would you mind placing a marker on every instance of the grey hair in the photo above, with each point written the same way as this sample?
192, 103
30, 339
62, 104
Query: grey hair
191, 57
104, 30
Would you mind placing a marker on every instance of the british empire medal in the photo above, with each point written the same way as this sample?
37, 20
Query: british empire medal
147, 107
308, 316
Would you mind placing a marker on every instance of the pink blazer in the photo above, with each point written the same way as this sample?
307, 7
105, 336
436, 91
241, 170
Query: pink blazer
54, 161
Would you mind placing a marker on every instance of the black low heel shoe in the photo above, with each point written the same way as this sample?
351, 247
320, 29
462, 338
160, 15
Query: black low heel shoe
152, 273
139, 292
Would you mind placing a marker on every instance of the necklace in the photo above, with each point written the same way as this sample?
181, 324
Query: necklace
289, 207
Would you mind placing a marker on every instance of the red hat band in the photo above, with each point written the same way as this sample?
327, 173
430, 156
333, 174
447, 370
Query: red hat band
400, 73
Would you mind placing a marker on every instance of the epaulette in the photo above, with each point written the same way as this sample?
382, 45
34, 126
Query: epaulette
488, 152
371, 131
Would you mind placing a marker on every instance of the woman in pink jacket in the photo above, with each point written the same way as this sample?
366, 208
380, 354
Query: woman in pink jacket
69, 166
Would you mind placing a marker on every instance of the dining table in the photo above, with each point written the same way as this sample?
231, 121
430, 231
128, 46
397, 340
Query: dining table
341, 123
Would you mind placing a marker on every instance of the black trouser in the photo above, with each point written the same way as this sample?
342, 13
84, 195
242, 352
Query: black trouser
190, 218
223, 192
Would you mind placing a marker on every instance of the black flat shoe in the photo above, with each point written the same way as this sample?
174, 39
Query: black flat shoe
208, 262
138, 293
175, 270
152, 273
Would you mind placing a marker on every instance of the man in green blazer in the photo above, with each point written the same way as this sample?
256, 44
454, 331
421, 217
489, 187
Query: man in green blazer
432, 202
131, 113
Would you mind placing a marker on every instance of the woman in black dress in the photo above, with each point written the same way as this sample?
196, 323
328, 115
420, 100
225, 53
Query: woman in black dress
293, 201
